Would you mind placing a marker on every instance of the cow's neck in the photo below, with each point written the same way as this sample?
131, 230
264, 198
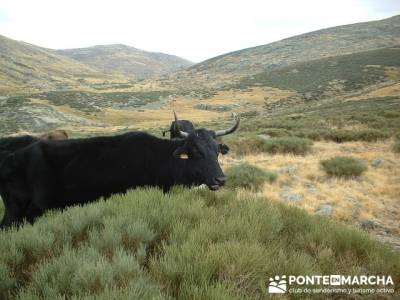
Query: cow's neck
171, 171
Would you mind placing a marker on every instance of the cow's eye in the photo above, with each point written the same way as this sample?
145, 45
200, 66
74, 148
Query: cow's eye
195, 153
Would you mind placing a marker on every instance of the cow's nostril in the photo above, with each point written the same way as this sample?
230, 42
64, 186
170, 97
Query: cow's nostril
221, 180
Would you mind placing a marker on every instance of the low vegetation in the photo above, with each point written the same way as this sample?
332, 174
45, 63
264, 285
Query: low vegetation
292, 145
189, 244
277, 132
368, 120
94, 102
342, 135
335, 135
257, 144
396, 147
342, 166
248, 176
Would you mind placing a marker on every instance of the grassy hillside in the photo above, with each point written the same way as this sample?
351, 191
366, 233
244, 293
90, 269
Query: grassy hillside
190, 244
366, 129
332, 76
127, 60
328, 42
25, 67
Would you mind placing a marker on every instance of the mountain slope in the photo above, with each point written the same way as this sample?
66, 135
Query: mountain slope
31, 68
126, 60
329, 42
332, 75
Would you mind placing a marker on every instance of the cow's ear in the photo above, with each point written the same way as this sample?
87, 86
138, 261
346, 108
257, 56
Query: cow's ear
181, 153
8, 164
224, 149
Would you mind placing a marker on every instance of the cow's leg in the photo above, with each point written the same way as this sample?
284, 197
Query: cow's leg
14, 212
6, 220
43, 185
32, 212
43, 198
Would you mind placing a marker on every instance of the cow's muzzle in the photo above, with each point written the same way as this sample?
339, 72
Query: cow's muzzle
217, 183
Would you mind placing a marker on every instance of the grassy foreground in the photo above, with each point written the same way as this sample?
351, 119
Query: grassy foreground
189, 244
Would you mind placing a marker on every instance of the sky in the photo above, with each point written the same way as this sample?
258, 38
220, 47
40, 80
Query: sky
195, 30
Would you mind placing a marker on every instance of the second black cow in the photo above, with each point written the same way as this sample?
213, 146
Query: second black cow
187, 126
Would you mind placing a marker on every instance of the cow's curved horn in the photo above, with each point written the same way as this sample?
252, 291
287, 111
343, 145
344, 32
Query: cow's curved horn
182, 134
229, 130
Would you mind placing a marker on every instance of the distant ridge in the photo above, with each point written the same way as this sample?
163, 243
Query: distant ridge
118, 58
29, 67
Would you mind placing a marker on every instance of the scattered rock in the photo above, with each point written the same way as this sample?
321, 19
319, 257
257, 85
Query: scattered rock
310, 187
217, 108
376, 163
264, 136
324, 209
308, 96
390, 239
290, 169
296, 116
368, 224
293, 197
287, 195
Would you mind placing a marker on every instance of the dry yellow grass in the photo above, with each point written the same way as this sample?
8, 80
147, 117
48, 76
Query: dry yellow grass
385, 91
376, 195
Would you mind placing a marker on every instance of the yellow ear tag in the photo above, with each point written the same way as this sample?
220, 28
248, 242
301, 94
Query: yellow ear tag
184, 156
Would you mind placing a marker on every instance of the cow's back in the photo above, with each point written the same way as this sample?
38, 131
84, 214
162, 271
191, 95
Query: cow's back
14, 143
85, 169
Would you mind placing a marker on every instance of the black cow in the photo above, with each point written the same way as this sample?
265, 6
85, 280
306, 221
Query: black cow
177, 126
56, 174
187, 126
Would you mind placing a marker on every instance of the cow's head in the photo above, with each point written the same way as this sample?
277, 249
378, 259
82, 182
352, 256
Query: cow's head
200, 152
187, 126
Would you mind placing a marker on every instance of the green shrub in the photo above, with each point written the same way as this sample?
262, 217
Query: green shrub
311, 134
397, 136
187, 244
277, 132
341, 135
251, 144
293, 145
371, 135
396, 147
342, 166
245, 145
248, 176
367, 135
